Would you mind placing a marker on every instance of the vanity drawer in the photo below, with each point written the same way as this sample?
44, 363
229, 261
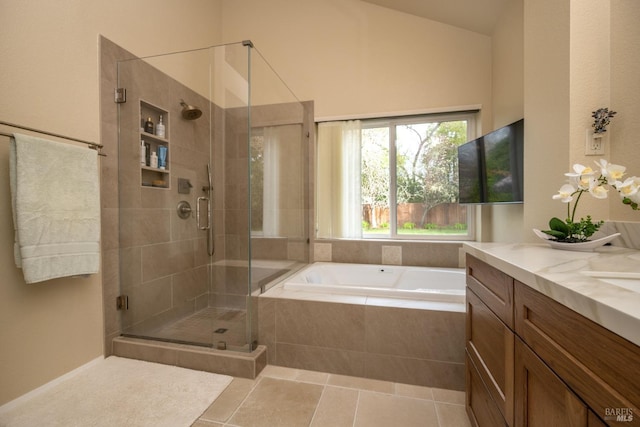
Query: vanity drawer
481, 409
598, 365
494, 288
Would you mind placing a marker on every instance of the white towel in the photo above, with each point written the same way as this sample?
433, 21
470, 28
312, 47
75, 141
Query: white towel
55, 191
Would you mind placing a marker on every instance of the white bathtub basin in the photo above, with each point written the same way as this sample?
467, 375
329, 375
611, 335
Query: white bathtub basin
419, 283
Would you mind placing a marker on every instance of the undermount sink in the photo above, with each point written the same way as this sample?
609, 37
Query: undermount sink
627, 280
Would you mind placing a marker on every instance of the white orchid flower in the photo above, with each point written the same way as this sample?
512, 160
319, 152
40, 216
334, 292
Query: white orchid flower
611, 171
629, 187
579, 170
635, 197
598, 191
565, 194
603, 165
616, 171
581, 176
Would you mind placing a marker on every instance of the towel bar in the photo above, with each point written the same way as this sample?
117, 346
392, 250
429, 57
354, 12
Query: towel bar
93, 145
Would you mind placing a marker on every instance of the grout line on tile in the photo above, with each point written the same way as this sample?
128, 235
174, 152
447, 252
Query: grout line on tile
255, 384
448, 403
399, 396
315, 411
355, 415
435, 405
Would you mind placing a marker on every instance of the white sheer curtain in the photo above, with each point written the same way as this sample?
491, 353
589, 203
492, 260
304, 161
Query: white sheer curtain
271, 177
338, 180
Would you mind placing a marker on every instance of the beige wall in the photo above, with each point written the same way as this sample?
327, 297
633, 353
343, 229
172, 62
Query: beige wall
579, 56
508, 66
625, 95
503, 223
546, 106
355, 58
49, 80
590, 84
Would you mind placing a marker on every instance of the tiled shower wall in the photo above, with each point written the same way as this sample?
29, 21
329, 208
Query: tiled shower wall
164, 261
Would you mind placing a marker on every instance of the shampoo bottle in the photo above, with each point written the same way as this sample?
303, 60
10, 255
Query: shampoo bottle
162, 157
147, 151
148, 126
160, 128
143, 153
154, 160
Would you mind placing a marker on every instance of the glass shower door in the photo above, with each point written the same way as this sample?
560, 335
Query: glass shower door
173, 237
226, 214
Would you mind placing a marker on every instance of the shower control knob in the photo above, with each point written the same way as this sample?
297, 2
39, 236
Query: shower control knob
184, 209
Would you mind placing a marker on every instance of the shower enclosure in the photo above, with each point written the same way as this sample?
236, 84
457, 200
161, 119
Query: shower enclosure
214, 209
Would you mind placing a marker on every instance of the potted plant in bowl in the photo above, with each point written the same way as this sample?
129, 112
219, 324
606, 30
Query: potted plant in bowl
583, 180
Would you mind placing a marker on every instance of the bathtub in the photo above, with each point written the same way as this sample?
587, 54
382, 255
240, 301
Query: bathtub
415, 283
390, 323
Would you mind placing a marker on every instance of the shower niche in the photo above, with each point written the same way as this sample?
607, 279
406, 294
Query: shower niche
158, 175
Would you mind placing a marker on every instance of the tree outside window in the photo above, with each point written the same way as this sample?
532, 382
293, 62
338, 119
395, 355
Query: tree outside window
412, 165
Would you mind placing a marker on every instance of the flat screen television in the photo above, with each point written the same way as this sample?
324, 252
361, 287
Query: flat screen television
490, 168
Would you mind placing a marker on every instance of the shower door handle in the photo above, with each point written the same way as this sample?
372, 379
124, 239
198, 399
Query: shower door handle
208, 224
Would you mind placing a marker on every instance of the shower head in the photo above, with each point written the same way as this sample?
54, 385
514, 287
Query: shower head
189, 112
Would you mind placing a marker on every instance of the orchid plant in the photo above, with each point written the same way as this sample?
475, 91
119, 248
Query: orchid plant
582, 180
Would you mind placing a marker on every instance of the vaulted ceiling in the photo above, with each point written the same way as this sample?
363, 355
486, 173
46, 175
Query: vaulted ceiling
474, 15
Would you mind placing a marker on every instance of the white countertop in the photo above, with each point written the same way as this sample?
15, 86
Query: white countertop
612, 303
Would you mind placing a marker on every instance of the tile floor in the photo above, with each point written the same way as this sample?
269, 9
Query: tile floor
283, 397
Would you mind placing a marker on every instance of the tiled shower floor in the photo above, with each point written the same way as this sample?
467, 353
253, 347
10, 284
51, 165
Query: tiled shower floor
209, 326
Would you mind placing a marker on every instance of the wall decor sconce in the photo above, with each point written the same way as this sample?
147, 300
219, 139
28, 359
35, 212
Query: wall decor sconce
602, 118
596, 136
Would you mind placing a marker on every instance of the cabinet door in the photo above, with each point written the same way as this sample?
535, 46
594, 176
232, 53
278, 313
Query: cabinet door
489, 345
599, 366
541, 398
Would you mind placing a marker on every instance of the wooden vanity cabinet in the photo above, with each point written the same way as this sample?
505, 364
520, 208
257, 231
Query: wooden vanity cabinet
489, 345
549, 367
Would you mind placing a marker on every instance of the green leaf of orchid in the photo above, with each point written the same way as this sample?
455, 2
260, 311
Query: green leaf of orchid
559, 225
555, 233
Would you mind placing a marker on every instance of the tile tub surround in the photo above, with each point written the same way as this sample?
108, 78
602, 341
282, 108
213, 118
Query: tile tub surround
371, 251
411, 342
558, 275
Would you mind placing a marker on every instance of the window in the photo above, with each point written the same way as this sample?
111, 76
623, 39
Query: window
392, 178
277, 181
